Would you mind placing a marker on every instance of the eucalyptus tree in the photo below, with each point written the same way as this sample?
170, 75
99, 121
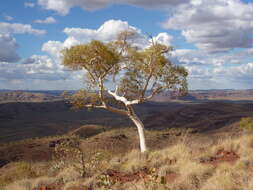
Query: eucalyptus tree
121, 72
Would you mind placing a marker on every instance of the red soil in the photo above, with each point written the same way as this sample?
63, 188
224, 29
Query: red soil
124, 177
170, 178
144, 174
220, 157
48, 187
55, 187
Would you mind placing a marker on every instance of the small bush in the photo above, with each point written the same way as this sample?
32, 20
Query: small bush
247, 122
68, 153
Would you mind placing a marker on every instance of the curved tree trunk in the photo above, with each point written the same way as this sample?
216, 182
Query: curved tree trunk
141, 133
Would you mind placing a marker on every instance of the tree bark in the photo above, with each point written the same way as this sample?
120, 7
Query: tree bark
141, 133
131, 114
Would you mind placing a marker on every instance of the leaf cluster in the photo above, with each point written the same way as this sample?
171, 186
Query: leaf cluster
151, 69
82, 98
96, 58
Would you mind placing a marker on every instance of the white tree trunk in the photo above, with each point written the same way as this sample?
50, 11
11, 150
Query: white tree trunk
140, 128
132, 116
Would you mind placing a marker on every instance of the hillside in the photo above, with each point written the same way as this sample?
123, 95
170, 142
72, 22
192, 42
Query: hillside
28, 120
193, 144
23, 96
201, 116
204, 95
176, 160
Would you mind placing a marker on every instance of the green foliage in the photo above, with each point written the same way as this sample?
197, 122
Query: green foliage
68, 153
95, 57
150, 68
120, 63
81, 98
246, 122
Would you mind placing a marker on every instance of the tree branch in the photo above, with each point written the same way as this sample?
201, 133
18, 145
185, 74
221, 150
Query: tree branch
146, 85
94, 106
116, 110
109, 108
104, 105
122, 98
156, 91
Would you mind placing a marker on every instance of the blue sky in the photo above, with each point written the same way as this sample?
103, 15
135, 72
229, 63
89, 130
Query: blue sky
212, 39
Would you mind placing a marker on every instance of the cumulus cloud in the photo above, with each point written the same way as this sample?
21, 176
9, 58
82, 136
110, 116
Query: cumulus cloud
240, 72
163, 38
16, 28
63, 6
8, 48
8, 42
29, 4
35, 67
199, 57
37, 72
236, 76
214, 26
54, 49
48, 20
215, 71
106, 32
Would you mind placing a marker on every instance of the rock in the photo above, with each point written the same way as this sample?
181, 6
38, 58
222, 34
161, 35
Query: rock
53, 144
3, 163
120, 137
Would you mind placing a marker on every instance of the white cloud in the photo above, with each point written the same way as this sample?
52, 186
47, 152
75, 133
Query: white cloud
220, 77
8, 49
213, 71
53, 48
240, 72
106, 32
29, 4
214, 26
8, 18
199, 57
8, 28
8, 43
63, 6
35, 67
48, 20
163, 38
37, 72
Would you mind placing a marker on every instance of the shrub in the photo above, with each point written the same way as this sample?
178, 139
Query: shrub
68, 153
247, 122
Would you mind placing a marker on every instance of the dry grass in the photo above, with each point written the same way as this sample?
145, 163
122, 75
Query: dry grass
180, 159
28, 184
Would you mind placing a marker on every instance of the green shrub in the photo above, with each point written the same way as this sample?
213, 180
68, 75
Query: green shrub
247, 122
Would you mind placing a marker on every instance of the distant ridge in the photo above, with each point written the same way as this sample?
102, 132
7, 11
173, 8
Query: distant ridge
24, 96
219, 94
193, 95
